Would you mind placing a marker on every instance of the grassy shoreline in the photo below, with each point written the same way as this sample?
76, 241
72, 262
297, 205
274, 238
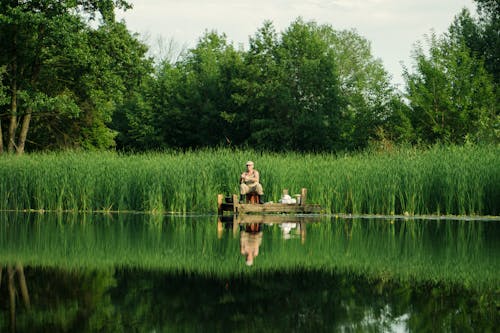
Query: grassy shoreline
346, 216
454, 181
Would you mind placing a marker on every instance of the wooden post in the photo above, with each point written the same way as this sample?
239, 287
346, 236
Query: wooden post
302, 232
303, 196
236, 225
220, 197
220, 228
235, 203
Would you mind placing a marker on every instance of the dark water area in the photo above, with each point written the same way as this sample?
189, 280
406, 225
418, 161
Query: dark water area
141, 273
140, 301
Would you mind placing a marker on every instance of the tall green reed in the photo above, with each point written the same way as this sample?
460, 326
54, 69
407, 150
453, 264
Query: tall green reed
439, 180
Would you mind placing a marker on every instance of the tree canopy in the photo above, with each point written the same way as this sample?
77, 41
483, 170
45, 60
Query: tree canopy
71, 76
63, 76
304, 89
453, 91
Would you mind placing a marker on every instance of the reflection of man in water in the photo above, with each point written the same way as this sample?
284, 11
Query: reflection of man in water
250, 240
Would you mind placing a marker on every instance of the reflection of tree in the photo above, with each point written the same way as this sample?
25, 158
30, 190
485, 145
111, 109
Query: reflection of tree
12, 290
292, 301
368, 275
451, 309
70, 301
89, 301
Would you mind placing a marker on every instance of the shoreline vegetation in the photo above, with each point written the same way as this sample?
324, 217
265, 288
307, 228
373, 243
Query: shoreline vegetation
346, 216
439, 181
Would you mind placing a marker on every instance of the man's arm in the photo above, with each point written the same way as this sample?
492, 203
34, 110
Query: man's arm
256, 176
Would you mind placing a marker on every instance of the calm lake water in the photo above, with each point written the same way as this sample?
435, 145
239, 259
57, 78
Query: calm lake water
151, 273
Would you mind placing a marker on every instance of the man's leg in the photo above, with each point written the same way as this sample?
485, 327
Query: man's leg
243, 191
260, 193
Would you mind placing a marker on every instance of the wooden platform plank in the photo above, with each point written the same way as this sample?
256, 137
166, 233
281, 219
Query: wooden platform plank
270, 208
301, 208
277, 208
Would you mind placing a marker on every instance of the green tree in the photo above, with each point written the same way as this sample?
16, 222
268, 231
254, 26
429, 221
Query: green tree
370, 105
451, 95
191, 99
480, 35
63, 74
3, 101
309, 88
111, 70
134, 120
260, 124
315, 88
292, 89
489, 27
209, 71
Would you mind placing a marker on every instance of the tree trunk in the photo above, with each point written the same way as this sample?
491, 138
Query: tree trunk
13, 118
12, 298
24, 132
1, 151
23, 285
11, 135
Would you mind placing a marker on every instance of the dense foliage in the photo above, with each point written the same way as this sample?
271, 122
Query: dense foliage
453, 92
71, 76
310, 88
67, 65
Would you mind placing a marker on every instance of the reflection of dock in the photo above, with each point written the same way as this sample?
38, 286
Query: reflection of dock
236, 222
232, 205
273, 219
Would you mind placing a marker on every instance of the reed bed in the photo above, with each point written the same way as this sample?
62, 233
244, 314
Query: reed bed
446, 180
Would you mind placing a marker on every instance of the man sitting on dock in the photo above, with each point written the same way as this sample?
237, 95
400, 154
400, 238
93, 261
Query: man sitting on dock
249, 183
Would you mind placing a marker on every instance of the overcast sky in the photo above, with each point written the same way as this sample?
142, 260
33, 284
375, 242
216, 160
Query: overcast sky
392, 26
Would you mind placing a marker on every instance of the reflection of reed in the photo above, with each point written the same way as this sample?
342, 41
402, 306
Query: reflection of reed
448, 251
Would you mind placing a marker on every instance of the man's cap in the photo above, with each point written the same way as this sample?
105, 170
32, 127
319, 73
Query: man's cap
249, 163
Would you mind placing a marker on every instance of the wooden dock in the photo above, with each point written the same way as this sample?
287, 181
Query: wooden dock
232, 205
